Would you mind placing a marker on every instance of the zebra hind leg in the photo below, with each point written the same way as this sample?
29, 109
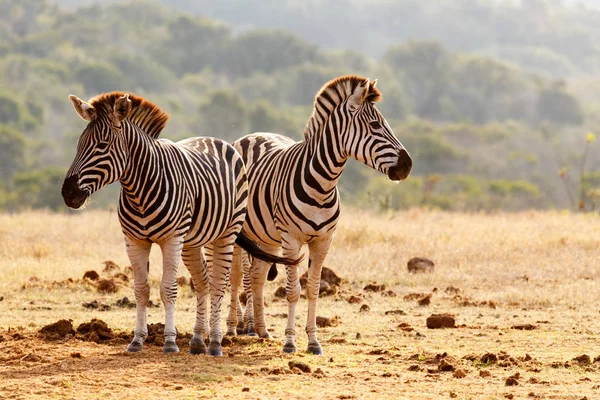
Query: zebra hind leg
139, 253
248, 318
171, 251
222, 257
195, 263
235, 312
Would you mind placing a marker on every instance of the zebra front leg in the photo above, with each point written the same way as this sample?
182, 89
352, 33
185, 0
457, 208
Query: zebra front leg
194, 261
171, 252
318, 251
221, 266
234, 283
292, 294
138, 253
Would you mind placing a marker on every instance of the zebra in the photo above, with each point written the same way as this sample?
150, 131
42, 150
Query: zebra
293, 195
182, 196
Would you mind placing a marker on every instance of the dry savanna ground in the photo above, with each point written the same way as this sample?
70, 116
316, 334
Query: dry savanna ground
523, 289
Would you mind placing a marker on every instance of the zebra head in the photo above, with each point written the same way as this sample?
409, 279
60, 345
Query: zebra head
369, 138
101, 154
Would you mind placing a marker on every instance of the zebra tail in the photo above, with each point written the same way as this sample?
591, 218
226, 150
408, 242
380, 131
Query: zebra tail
251, 247
272, 272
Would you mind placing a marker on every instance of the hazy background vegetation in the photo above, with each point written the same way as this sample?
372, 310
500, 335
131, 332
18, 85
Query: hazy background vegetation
492, 98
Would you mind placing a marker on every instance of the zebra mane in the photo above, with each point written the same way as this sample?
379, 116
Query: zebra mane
332, 94
144, 114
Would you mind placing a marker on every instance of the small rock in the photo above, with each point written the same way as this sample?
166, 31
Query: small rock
373, 287
437, 321
485, 374
583, 359
365, 308
323, 322
512, 380
524, 327
420, 265
300, 365
395, 312
459, 374
245, 389
445, 366
354, 299
91, 275
358, 335
425, 301
489, 358
280, 292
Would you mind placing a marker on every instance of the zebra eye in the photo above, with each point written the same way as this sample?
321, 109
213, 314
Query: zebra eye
103, 145
375, 124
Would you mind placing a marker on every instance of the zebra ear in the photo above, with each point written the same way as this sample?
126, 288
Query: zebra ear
122, 107
84, 109
360, 93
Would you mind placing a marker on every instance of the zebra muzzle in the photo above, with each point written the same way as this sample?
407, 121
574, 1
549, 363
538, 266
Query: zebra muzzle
403, 166
73, 196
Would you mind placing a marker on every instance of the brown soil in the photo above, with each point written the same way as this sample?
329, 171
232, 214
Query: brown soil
524, 327
95, 331
425, 301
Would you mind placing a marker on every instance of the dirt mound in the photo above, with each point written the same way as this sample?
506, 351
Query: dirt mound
365, 308
91, 275
300, 365
107, 286
425, 301
110, 266
58, 330
95, 304
395, 312
418, 265
437, 321
95, 331
327, 275
354, 299
125, 303
182, 281
280, 292
119, 276
524, 327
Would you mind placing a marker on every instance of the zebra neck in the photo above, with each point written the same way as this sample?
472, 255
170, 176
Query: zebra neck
323, 165
143, 172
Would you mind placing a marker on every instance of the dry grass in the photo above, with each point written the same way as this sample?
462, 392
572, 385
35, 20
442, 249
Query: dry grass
536, 268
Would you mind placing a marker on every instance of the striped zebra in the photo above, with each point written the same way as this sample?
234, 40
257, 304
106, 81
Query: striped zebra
181, 196
293, 196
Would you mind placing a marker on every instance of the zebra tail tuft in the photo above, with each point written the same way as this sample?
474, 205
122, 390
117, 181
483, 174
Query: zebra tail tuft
272, 272
251, 247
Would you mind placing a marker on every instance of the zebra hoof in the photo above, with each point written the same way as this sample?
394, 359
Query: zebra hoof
265, 335
135, 346
251, 332
215, 349
197, 346
315, 348
170, 347
289, 348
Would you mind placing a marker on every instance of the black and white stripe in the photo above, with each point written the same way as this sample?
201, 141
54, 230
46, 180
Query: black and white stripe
182, 196
293, 196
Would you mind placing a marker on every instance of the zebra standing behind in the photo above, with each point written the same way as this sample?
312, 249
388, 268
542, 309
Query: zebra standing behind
293, 196
182, 196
